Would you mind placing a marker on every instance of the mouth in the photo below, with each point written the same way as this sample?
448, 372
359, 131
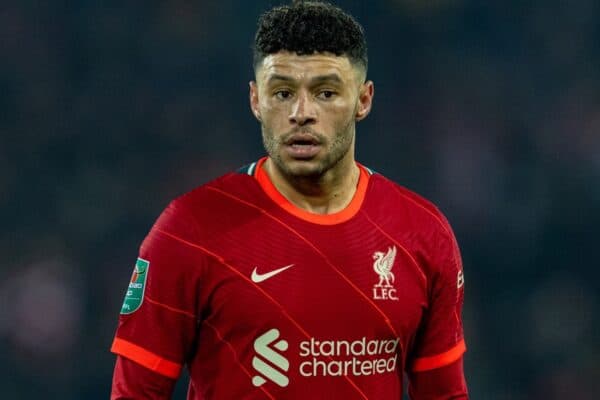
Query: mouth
302, 146
302, 139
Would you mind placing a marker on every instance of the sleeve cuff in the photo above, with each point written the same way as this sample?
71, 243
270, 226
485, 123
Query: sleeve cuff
439, 360
146, 358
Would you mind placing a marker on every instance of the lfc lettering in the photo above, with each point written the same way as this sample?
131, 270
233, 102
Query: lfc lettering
384, 293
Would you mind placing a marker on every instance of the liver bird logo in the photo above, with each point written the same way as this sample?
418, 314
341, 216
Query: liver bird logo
383, 266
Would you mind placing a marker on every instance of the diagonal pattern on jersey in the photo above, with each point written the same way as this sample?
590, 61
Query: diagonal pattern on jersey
313, 246
236, 271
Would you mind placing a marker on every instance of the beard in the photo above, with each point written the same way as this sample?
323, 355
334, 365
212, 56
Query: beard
333, 150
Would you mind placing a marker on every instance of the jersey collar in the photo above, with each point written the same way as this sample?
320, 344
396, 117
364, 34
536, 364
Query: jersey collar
322, 219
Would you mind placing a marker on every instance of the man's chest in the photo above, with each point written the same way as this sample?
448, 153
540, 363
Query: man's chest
347, 281
329, 307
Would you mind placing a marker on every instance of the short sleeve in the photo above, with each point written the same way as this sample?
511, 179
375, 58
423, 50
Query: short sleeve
440, 340
158, 321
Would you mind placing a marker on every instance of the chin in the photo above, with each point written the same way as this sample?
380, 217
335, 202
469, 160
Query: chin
300, 168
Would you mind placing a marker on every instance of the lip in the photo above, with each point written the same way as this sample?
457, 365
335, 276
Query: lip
302, 145
302, 150
302, 138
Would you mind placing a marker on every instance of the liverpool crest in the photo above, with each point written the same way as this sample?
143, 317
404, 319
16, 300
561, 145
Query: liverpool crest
384, 289
137, 285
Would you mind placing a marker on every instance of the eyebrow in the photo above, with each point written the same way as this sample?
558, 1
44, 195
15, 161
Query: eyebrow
315, 80
277, 77
326, 78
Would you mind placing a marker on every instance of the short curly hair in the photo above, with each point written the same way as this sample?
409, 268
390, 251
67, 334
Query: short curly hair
308, 27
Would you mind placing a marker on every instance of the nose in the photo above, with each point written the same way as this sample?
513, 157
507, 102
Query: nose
303, 110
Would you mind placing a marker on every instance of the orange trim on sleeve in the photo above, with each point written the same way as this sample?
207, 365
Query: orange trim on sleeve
322, 219
146, 358
440, 360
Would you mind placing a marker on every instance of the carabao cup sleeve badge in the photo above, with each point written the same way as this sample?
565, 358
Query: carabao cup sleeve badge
137, 285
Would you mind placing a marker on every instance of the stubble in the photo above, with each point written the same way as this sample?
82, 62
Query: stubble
334, 150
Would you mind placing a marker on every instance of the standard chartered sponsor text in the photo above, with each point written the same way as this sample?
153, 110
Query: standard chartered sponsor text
343, 357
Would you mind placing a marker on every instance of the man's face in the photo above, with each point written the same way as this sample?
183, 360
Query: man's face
307, 106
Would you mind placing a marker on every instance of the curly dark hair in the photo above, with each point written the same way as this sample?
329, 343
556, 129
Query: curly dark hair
307, 27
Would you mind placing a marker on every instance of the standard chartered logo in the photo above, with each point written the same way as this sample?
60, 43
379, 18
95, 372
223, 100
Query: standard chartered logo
265, 353
331, 357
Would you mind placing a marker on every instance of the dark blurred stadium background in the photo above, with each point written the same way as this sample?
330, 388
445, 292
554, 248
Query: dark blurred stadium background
489, 108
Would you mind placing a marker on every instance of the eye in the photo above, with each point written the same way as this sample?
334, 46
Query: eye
326, 94
283, 94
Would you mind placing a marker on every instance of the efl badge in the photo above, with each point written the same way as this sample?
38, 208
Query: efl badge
137, 285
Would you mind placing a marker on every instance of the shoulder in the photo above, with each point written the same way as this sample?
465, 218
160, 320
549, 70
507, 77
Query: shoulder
216, 206
406, 204
233, 183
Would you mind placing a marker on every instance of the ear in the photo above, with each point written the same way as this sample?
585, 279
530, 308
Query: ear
253, 95
365, 100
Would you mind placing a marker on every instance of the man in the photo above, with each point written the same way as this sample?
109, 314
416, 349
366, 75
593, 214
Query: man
303, 275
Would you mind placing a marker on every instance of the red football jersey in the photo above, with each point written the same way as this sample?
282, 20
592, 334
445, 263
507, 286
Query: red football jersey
263, 300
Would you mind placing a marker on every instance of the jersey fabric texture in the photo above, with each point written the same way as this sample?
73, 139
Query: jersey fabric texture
263, 300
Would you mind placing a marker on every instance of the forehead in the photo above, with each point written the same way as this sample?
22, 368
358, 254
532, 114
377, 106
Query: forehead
303, 67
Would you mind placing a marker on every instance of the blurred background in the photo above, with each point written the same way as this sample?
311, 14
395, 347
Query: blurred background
491, 109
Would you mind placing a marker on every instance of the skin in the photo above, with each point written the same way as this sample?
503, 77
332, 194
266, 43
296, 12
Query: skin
308, 107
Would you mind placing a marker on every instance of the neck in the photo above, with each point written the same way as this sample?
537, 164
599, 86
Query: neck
325, 194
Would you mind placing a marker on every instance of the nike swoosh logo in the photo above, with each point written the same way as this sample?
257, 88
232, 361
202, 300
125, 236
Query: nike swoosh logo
258, 278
